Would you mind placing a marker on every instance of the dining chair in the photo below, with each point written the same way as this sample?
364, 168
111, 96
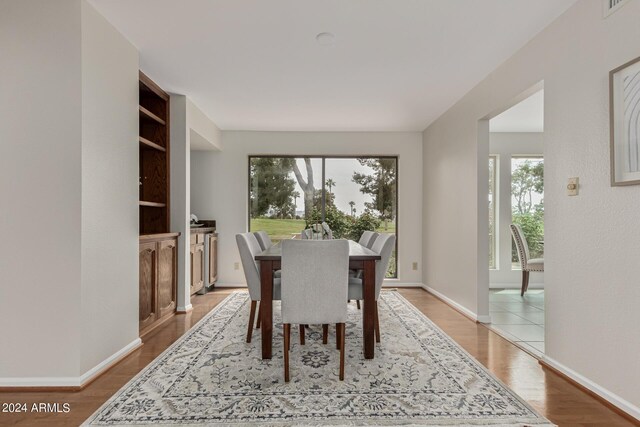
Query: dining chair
306, 234
263, 239
383, 246
314, 289
368, 238
526, 264
249, 247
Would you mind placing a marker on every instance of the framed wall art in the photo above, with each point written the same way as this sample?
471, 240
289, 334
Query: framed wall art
624, 98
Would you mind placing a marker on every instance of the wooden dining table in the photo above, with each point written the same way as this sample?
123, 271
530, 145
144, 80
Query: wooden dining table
360, 258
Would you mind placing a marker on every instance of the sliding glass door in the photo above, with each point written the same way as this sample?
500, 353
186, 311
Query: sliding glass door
352, 194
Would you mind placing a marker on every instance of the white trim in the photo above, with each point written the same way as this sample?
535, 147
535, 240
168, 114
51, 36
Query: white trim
388, 283
105, 364
470, 314
610, 397
71, 381
184, 309
230, 285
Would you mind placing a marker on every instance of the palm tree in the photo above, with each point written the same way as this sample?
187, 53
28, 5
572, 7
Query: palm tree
330, 183
353, 208
295, 195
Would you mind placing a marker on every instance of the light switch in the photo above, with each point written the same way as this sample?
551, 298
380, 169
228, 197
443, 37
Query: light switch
572, 187
414, 266
236, 266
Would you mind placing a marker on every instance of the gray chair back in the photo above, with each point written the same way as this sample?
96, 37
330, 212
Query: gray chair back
306, 234
327, 230
372, 238
383, 245
249, 247
263, 240
315, 276
521, 244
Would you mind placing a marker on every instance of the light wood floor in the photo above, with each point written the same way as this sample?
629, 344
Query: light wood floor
554, 397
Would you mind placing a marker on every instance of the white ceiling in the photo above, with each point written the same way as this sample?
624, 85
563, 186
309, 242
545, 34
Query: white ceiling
526, 116
395, 64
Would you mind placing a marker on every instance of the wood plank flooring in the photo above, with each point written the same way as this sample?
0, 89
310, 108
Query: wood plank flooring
554, 397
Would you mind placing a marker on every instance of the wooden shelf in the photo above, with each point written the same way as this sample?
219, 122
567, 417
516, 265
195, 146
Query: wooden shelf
145, 143
144, 113
152, 204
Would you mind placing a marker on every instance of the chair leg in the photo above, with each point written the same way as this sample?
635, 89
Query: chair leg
258, 321
337, 336
325, 333
525, 282
377, 323
358, 304
252, 314
301, 334
341, 327
287, 336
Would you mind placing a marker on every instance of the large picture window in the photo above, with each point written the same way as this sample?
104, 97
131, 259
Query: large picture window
352, 194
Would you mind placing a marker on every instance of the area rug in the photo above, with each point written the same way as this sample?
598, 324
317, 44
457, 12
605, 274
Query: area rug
419, 377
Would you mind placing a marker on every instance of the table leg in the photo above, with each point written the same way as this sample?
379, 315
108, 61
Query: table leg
368, 312
266, 307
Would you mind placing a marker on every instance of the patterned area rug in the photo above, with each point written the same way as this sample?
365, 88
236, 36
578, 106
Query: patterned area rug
419, 376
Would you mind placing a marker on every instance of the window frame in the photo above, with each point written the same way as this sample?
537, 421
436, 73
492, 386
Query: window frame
324, 157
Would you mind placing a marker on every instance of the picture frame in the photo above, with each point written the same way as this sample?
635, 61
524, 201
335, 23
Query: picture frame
624, 116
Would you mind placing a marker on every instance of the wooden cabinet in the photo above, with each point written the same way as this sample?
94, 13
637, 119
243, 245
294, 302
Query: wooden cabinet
213, 257
158, 279
197, 265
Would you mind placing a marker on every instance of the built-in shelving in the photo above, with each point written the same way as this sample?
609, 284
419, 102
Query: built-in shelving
152, 204
154, 157
146, 114
146, 144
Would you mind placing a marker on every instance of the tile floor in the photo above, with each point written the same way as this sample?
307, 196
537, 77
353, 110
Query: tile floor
519, 319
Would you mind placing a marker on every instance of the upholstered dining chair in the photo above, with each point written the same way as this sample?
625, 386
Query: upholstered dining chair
368, 238
249, 247
383, 245
526, 264
263, 239
306, 234
314, 289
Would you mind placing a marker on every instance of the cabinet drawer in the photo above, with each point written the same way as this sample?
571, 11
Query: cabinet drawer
200, 238
194, 239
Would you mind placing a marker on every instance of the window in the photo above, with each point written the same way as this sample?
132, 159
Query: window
527, 203
352, 194
493, 200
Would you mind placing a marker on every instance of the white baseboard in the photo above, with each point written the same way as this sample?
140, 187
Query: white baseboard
187, 308
230, 285
610, 397
464, 310
108, 362
72, 381
387, 284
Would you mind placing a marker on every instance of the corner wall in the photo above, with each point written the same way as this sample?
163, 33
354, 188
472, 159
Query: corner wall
68, 182
591, 241
219, 187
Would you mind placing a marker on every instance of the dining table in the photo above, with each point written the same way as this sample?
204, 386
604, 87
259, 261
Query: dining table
360, 258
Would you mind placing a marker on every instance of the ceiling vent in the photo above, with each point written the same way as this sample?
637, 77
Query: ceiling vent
611, 6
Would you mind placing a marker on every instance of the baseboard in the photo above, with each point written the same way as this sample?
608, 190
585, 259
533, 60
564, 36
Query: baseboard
230, 285
387, 283
463, 310
68, 383
185, 309
612, 400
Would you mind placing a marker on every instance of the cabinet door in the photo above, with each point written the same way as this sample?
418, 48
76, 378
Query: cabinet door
167, 276
147, 284
213, 258
197, 267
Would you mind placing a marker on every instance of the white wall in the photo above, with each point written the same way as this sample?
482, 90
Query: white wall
219, 185
109, 190
506, 145
68, 166
40, 179
591, 241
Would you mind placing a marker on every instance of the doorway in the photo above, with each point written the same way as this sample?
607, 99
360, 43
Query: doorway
516, 196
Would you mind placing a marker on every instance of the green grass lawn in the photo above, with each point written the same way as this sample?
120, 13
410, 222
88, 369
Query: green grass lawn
278, 229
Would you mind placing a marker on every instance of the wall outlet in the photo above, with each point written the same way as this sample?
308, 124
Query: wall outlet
236, 266
414, 265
